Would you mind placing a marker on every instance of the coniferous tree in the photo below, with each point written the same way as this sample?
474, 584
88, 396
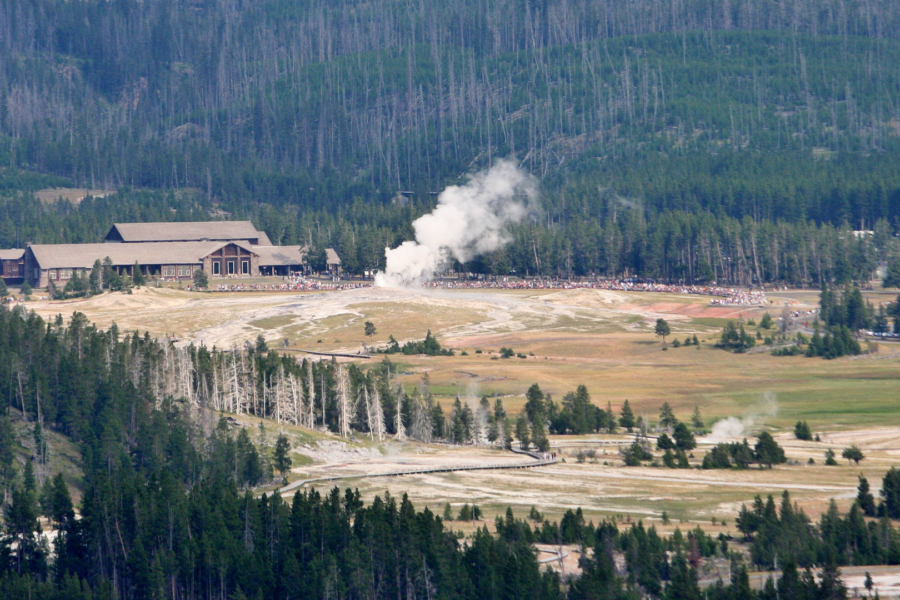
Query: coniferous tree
662, 329
890, 494
282, 458
864, 497
626, 419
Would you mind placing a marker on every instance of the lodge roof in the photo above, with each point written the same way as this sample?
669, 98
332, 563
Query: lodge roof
280, 256
194, 231
331, 257
82, 256
12, 254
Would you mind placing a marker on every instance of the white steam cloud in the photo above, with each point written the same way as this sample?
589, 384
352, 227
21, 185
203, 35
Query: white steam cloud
732, 429
469, 220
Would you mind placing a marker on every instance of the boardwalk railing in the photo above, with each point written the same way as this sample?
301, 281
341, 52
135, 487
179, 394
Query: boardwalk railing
541, 460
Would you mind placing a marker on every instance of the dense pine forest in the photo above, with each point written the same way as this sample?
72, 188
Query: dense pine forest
738, 141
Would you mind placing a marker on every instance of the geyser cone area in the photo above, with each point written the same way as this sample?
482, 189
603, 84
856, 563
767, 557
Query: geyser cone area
468, 221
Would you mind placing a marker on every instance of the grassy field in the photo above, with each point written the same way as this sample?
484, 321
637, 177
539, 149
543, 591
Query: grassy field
829, 394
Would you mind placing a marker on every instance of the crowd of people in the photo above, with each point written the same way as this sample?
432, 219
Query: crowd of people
292, 283
723, 296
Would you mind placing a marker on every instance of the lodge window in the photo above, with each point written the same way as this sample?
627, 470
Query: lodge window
245, 267
217, 267
184, 270
52, 273
169, 271
65, 273
231, 267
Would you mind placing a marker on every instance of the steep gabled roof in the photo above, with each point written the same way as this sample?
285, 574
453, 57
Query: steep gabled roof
195, 231
331, 257
82, 256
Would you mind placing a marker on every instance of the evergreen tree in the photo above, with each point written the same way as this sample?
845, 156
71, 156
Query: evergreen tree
683, 437
282, 456
853, 453
626, 419
696, 419
95, 279
138, 274
22, 528
201, 279
890, 494
522, 432
864, 497
667, 418
7, 452
662, 329
767, 450
892, 277
802, 432
534, 403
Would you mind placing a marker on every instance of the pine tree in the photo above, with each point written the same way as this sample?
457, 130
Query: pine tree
667, 418
95, 279
662, 329
696, 419
282, 456
626, 419
534, 403
522, 432
864, 497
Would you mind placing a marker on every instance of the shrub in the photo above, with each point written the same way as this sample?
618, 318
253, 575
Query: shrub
802, 432
718, 457
664, 442
669, 459
634, 454
794, 350
853, 453
735, 338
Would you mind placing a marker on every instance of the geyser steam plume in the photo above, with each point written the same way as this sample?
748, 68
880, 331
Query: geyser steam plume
731, 429
469, 220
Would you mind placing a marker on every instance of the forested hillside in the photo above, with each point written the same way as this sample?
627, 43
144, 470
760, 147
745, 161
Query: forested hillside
673, 140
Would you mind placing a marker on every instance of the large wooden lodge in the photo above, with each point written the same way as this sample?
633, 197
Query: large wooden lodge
168, 250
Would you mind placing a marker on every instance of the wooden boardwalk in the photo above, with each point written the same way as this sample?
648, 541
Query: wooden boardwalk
540, 461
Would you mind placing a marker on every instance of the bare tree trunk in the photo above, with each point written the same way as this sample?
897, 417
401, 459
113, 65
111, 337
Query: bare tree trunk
399, 428
311, 423
376, 421
345, 403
